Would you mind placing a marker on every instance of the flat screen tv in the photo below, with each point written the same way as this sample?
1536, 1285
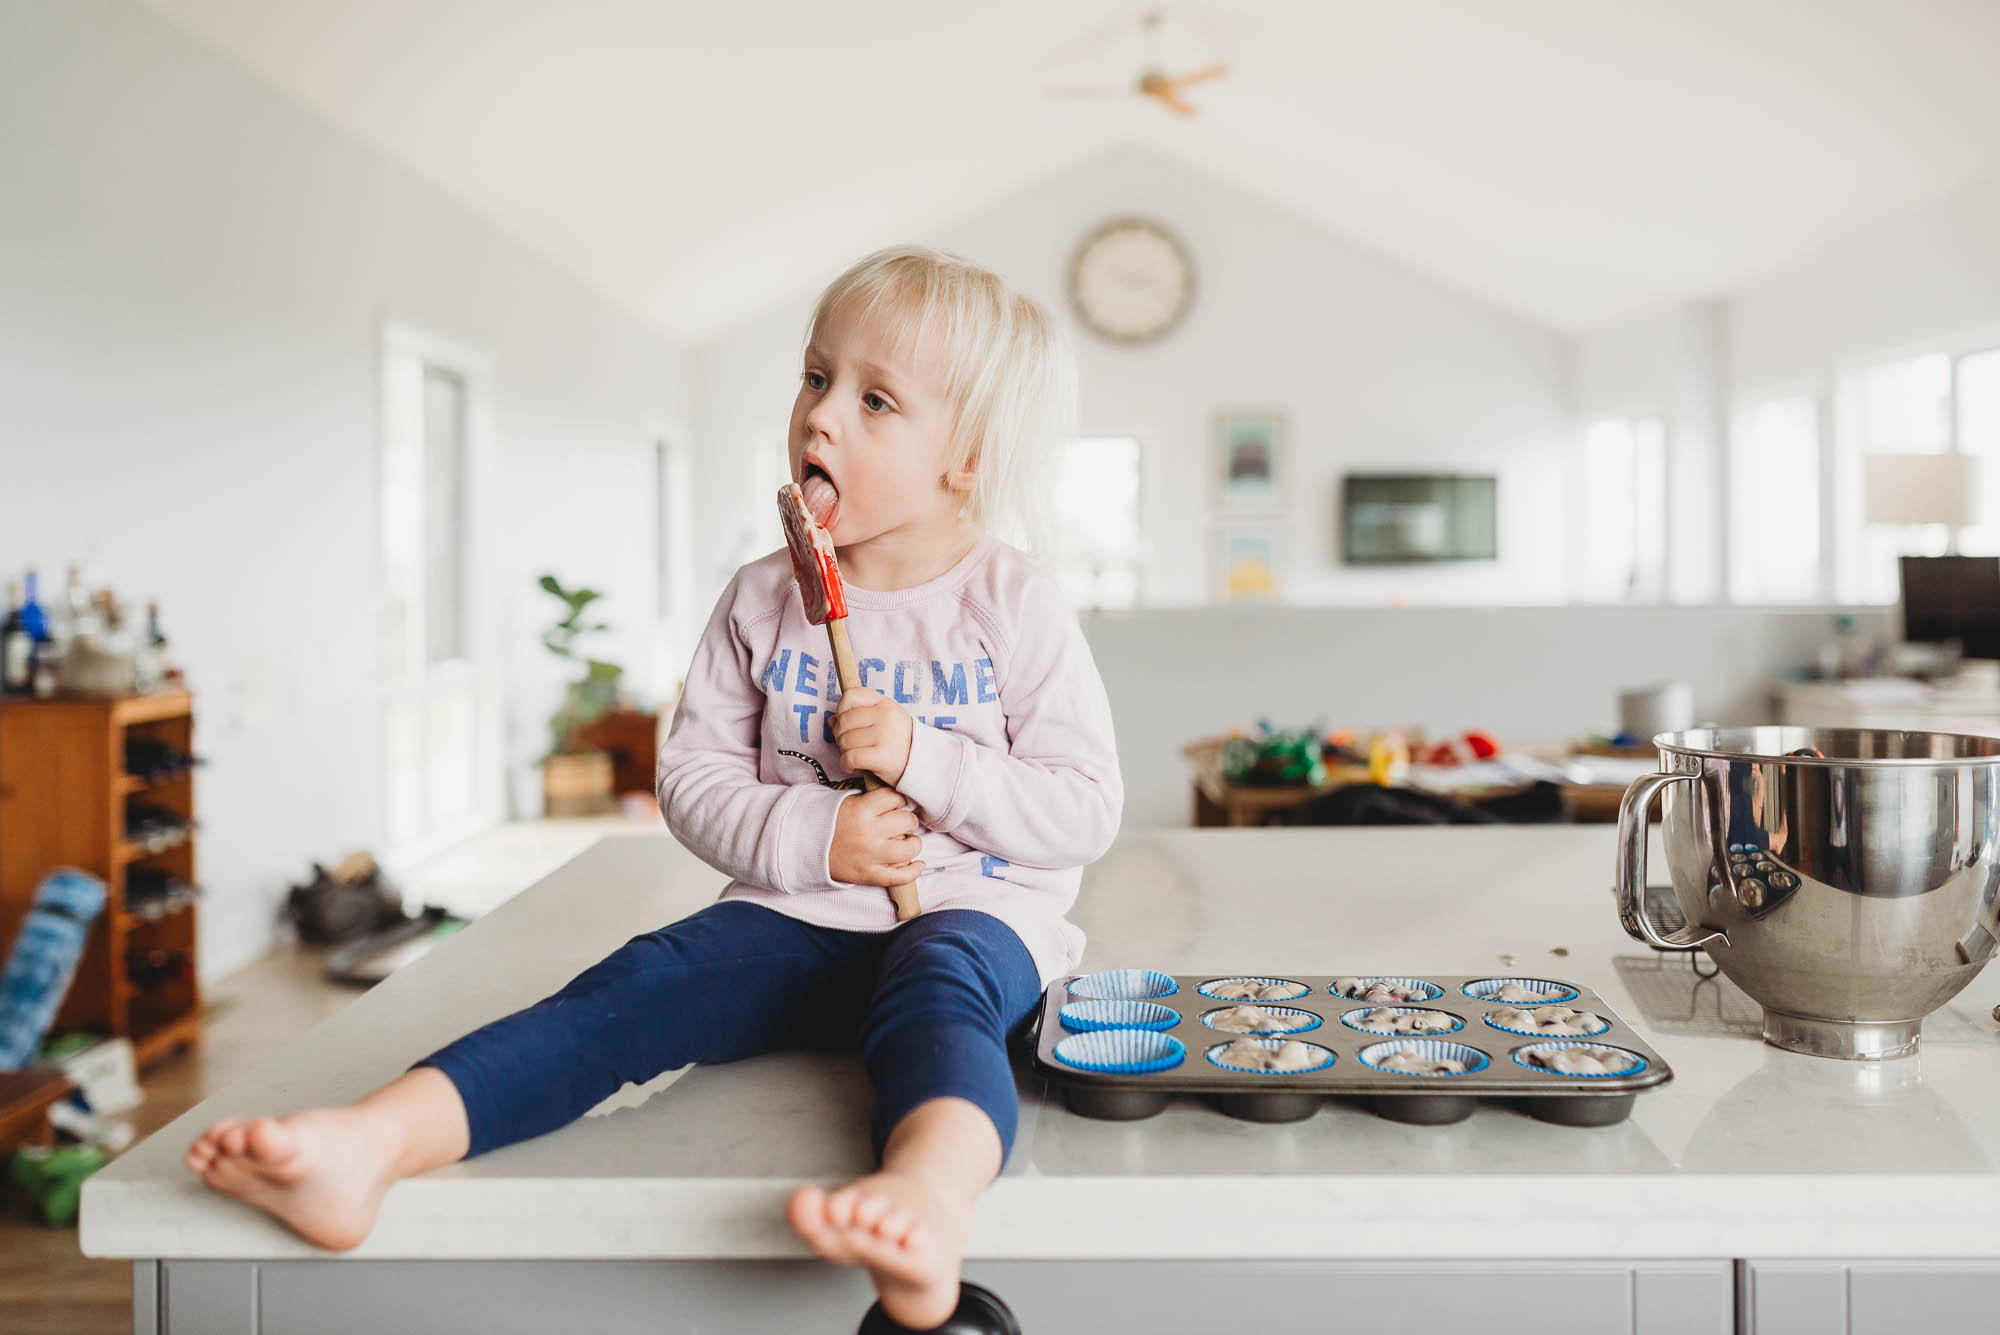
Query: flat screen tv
1400, 518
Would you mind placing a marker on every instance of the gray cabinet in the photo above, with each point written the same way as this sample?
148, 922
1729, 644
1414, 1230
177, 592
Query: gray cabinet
1050, 1297
1867, 1297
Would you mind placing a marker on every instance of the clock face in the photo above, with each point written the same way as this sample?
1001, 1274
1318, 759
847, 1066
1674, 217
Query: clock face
1130, 281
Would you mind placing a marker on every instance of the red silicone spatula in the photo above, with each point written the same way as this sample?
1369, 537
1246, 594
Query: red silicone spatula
826, 604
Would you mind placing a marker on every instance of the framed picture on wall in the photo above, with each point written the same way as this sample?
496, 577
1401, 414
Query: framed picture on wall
1250, 466
1249, 562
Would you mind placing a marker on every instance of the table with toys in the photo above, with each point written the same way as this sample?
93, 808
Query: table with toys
1246, 777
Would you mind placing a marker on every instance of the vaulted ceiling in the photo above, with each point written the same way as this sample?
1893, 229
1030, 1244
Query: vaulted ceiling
1575, 161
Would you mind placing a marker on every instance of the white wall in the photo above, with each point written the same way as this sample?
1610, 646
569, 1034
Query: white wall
1921, 274
1919, 278
194, 272
1526, 674
1377, 365
1916, 277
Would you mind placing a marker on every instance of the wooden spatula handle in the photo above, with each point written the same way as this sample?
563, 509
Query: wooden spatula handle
905, 896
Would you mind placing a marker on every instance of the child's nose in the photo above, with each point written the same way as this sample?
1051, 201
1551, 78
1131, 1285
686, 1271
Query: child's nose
822, 421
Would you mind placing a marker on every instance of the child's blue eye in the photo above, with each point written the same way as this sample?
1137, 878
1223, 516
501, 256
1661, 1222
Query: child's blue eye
814, 380
875, 402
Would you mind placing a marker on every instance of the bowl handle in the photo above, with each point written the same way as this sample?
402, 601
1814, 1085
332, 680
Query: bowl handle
1632, 821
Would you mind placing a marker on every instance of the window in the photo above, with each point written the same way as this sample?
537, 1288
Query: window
1625, 510
444, 499
1099, 546
671, 521
1978, 384
1932, 404
1775, 548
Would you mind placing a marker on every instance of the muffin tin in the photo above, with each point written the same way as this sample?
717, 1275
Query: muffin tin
1174, 1059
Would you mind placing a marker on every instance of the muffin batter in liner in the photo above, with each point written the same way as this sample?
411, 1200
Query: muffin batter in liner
1363, 1019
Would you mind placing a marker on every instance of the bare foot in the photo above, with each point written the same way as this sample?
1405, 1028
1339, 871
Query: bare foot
321, 1173
910, 1236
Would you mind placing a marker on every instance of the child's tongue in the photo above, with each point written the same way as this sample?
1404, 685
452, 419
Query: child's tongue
822, 499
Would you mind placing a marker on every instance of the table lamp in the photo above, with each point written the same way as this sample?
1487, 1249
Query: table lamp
1924, 489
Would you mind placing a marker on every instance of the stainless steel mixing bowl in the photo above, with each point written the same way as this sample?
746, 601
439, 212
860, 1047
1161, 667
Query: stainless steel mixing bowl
1847, 879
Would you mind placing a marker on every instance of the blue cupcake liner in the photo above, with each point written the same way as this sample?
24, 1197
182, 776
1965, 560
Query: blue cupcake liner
1266, 1006
1431, 990
1491, 1023
1303, 990
1121, 1051
1083, 1017
1434, 1049
1124, 985
1348, 1019
1482, 989
1559, 1044
1214, 1060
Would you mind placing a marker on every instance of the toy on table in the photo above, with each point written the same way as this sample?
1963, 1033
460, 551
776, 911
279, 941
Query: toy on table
1470, 746
1277, 758
1280, 757
818, 573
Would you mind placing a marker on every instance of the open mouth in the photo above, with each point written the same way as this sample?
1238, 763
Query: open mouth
822, 495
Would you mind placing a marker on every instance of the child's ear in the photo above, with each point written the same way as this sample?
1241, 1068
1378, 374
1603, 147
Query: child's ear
960, 479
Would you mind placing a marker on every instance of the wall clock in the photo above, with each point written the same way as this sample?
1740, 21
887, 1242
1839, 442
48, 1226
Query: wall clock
1130, 281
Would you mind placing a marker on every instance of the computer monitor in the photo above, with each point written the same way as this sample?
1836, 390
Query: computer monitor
1953, 598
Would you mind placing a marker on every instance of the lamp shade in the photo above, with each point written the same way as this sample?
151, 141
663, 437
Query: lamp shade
1923, 489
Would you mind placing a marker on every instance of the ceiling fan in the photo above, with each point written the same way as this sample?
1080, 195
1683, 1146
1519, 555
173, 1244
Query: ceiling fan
1153, 81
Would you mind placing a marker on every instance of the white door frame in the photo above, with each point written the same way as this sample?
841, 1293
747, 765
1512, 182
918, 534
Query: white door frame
481, 671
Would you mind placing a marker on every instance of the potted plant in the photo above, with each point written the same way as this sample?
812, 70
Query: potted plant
576, 780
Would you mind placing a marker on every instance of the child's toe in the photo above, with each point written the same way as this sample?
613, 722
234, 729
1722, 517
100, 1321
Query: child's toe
894, 1259
895, 1225
807, 1209
871, 1210
270, 1142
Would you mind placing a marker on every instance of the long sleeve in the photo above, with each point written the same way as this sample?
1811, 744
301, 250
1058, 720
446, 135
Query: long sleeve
1053, 798
768, 834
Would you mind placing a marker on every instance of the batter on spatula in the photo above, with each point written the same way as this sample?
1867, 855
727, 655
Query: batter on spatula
927, 388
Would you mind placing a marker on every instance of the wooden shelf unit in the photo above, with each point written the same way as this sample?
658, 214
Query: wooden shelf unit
64, 794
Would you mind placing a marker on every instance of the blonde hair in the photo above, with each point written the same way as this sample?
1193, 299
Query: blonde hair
1010, 378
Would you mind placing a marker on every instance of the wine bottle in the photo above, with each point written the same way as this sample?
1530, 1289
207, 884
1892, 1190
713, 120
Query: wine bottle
149, 656
42, 653
83, 622
17, 647
33, 617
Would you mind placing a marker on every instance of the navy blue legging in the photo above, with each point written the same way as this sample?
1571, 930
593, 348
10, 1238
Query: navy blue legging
931, 1006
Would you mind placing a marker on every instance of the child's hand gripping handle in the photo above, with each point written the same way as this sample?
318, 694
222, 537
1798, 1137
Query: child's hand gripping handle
825, 602
905, 896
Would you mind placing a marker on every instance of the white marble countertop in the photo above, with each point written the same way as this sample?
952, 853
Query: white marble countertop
1749, 1151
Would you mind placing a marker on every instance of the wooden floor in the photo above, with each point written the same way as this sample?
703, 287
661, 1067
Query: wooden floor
47, 1287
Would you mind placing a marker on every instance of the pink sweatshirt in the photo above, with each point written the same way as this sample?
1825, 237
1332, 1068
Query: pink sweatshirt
1012, 767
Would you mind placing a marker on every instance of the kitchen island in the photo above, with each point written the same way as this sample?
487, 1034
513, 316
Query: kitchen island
1760, 1190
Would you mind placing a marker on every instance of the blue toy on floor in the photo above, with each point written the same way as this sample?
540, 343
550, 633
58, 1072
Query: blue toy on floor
44, 960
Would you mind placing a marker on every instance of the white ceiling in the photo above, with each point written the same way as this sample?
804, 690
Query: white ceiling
1577, 161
